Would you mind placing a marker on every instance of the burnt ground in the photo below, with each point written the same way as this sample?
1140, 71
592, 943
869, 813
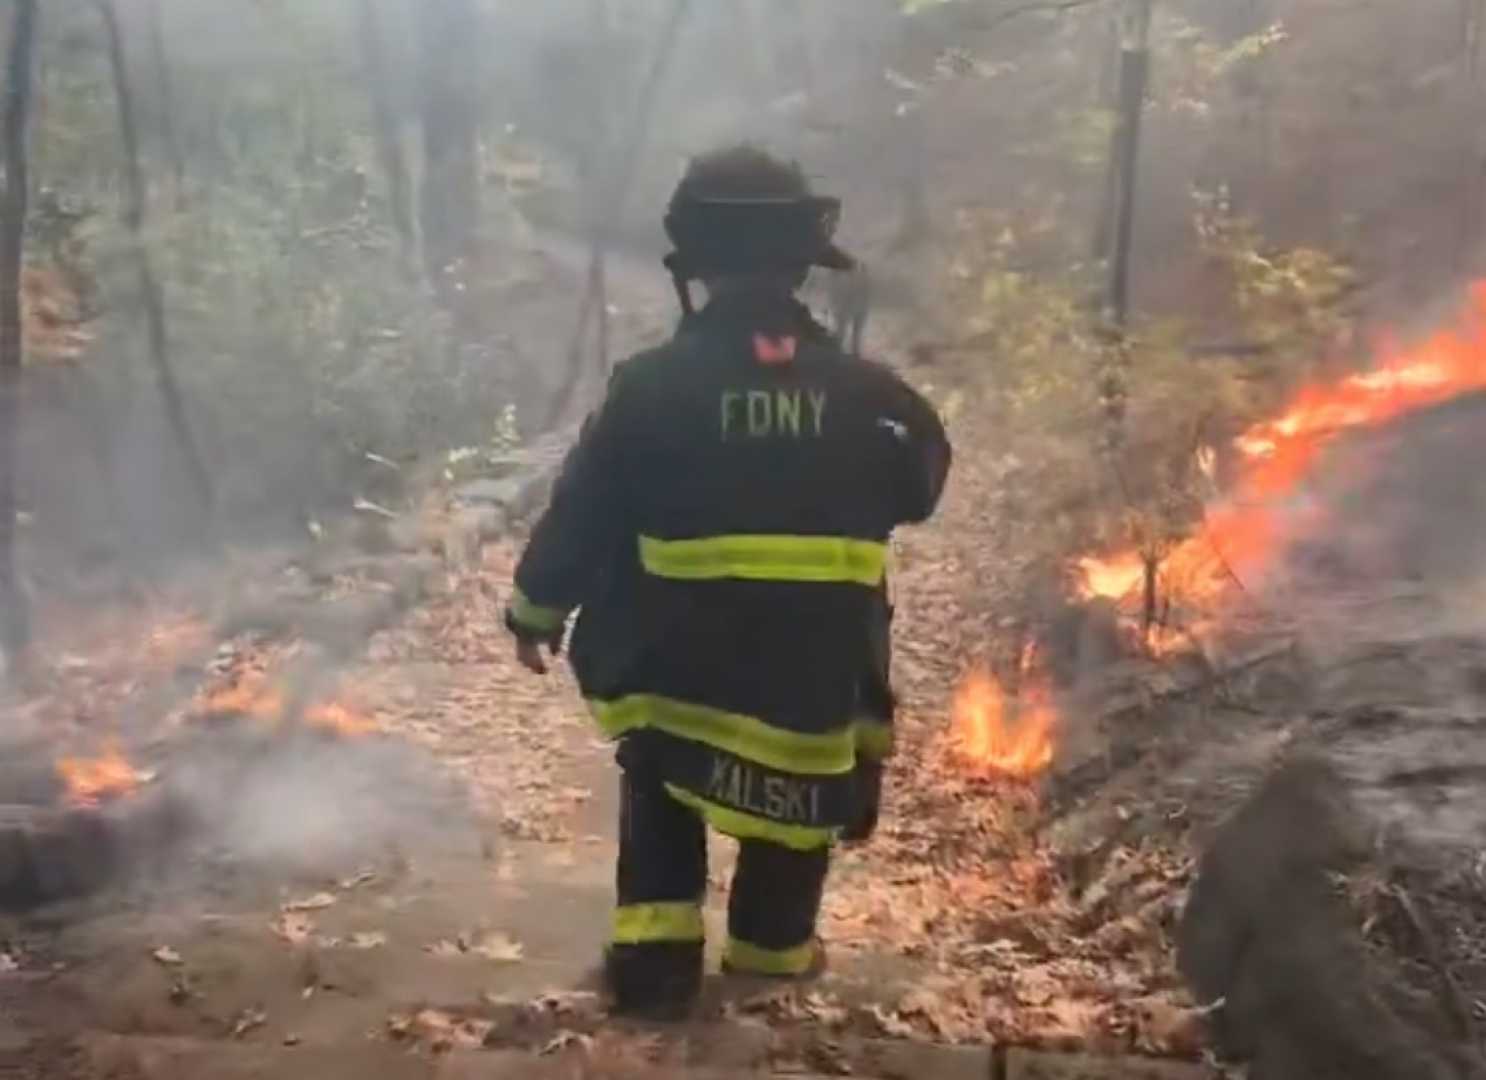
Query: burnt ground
423, 891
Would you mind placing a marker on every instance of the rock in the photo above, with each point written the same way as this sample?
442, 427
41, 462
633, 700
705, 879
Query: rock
486, 1064
1268, 932
1035, 1065
155, 1058
898, 1060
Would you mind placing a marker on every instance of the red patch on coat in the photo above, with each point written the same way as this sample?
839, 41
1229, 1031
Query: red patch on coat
772, 352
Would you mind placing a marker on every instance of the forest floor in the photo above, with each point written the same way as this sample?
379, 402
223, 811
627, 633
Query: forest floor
405, 865
391, 850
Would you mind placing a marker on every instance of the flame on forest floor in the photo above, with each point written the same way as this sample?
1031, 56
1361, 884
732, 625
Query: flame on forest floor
91, 781
1002, 735
251, 695
254, 696
1249, 528
339, 719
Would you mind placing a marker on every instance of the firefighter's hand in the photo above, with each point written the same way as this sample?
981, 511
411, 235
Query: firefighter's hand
529, 653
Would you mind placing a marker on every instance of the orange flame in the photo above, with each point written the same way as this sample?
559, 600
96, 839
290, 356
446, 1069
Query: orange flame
1003, 736
90, 781
339, 719
250, 696
1249, 528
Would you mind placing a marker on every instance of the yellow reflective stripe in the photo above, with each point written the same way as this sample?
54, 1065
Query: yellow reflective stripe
766, 558
543, 620
640, 924
741, 826
741, 956
874, 739
749, 738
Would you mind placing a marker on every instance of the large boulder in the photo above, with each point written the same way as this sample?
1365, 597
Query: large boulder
1270, 939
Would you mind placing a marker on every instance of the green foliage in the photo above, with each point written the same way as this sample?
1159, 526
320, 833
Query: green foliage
1292, 301
1193, 73
1039, 358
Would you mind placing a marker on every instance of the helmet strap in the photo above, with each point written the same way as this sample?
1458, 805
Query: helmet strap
682, 282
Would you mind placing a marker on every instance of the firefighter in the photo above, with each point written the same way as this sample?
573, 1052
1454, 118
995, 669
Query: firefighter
722, 528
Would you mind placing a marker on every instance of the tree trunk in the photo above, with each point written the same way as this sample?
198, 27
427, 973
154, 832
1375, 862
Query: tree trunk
14, 614
449, 103
165, 91
1134, 73
600, 163
1109, 101
1114, 377
615, 192
389, 142
1472, 141
757, 53
149, 286
1473, 29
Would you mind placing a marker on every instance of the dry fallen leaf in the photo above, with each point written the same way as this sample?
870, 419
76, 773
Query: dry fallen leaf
440, 1030
824, 1009
294, 927
445, 948
564, 1040
247, 1020
1164, 1027
365, 877
310, 903
498, 947
8, 963
371, 939
890, 1023
569, 1002
168, 956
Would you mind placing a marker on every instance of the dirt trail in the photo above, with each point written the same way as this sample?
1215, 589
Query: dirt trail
449, 924
346, 914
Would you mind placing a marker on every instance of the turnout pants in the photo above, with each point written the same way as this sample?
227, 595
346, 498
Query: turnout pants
656, 948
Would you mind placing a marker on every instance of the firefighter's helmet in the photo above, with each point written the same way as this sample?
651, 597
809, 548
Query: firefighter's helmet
743, 211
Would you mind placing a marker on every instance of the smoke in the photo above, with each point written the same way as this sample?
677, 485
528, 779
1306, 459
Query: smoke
302, 803
1394, 552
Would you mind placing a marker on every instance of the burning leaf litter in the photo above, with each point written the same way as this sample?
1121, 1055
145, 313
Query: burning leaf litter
95, 780
1004, 736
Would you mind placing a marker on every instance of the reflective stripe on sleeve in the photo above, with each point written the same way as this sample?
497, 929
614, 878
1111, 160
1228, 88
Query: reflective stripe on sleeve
534, 617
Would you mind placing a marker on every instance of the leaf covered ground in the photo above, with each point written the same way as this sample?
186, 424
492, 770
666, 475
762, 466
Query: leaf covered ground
958, 923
